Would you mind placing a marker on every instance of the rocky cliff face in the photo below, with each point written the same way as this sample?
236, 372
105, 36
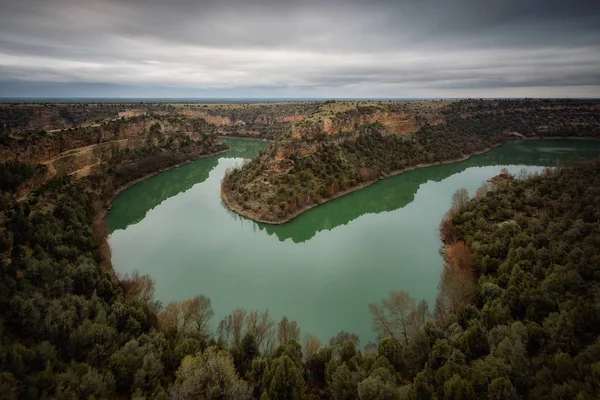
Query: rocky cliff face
34, 117
124, 141
263, 121
36, 147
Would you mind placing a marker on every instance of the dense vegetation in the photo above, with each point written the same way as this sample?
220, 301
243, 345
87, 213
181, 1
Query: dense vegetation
533, 329
517, 314
292, 176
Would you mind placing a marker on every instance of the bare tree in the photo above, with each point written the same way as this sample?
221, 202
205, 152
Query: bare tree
197, 312
459, 256
390, 318
141, 288
458, 286
224, 332
189, 315
311, 345
287, 330
484, 189
237, 319
460, 198
171, 319
261, 326
417, 319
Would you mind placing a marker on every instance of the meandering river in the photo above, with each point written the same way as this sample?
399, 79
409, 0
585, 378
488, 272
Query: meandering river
323, 268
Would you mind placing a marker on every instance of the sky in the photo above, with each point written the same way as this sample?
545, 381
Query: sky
300, 49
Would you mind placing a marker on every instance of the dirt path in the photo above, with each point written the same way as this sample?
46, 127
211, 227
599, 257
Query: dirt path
79, 150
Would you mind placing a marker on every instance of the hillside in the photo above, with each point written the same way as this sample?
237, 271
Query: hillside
255, 120
121, 144
333, 152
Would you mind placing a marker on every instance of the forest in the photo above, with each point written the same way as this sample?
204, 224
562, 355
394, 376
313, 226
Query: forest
517, 314
292, 176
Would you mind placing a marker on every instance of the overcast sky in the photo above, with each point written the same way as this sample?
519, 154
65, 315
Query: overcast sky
279, 48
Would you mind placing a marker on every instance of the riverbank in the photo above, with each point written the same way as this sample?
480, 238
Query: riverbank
244, 137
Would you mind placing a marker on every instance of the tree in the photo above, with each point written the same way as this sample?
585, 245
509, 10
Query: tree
284, 380
311, 345
457, 388
502, 389
210, 375
287, 330
149, 375
141, 288
197, 312
391, 317
244, 353
261, 327
316, 367
338, 342
373, 388
460, 198
391, 349
171, 319
344, 385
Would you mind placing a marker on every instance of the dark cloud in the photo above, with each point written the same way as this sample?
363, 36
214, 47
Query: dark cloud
336, 47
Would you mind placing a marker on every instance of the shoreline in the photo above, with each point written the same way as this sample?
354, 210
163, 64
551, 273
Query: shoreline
247, 214
108, 201
244, 137
254, 217
107, 206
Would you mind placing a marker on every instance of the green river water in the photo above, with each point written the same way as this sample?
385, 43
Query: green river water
323, 268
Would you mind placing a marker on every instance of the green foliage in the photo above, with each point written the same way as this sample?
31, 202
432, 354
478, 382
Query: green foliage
344, 383
533, 331
283, 380
374, 388
210, 375
13, 174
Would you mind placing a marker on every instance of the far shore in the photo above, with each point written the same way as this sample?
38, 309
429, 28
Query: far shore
250, 214
243, 137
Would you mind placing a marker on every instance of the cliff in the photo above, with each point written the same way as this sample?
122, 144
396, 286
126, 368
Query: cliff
121, 144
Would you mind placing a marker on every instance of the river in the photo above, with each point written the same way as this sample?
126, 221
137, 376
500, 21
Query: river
323, 268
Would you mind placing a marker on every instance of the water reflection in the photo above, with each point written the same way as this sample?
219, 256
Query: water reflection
141, 198
396, 192
387, 195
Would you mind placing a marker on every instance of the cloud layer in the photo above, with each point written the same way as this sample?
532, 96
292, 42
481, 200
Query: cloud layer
377, 48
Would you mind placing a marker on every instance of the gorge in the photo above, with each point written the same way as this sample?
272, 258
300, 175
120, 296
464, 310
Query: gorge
321, 269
